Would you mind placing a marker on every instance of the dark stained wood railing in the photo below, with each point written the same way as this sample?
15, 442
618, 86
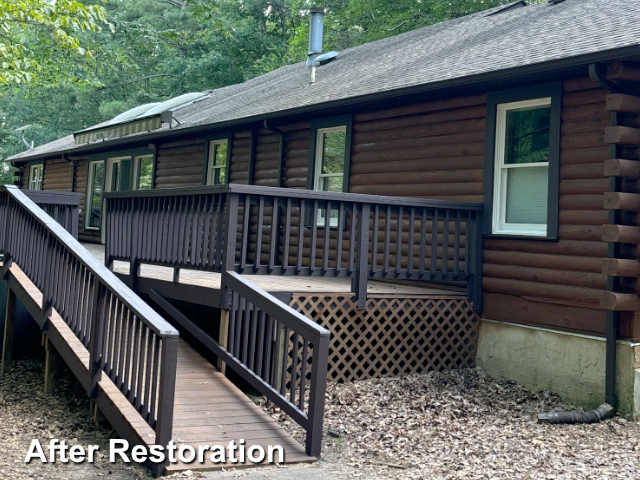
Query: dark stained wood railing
61, 206
274, 231
126, 339
279, 351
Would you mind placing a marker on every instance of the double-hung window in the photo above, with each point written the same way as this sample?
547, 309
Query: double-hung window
35, 176
522, 162
218, 155
329, 163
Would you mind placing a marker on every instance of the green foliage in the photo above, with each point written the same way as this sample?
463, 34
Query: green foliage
39, 40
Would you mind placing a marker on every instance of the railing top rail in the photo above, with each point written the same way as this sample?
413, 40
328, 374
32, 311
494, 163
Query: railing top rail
299, 194
53, 198
275, 308
139, 308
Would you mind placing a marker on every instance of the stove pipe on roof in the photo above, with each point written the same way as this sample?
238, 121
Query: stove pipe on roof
315, 56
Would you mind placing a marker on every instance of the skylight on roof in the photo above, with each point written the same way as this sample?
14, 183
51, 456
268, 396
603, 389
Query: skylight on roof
142, 118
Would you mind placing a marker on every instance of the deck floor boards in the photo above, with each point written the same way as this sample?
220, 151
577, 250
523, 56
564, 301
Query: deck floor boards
275, 283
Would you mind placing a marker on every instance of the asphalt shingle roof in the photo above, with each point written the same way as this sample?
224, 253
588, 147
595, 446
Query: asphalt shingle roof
473, 45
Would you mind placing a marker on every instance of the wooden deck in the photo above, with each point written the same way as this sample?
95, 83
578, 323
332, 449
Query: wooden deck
273, 283
209, 409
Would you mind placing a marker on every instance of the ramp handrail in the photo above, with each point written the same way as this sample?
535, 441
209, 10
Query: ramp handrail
126, 339
276, 349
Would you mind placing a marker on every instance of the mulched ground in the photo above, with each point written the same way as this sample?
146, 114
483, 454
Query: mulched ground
447, 425
26, 413
465, 425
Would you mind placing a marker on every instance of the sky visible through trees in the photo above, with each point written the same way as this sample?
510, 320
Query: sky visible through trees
124, 53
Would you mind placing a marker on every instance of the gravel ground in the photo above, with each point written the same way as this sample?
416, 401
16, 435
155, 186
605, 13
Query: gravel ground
447, 425
464, 425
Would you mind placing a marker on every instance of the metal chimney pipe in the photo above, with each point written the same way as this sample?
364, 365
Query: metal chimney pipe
316, 25
316, 20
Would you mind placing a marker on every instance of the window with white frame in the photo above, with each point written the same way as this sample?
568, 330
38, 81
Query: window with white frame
143, 172
329, 166
521, 170
217, 162
330, 159
35, 177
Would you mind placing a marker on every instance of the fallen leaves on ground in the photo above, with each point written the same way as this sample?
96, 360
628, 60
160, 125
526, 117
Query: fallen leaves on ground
462, 424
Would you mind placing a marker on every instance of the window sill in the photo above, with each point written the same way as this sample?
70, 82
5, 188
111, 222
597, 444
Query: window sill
512, 236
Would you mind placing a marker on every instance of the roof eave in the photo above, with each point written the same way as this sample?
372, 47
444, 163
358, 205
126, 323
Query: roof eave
513, 74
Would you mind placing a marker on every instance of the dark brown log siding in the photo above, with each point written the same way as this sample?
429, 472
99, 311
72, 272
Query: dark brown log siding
558, 284
427, 150
180, 163
435, 150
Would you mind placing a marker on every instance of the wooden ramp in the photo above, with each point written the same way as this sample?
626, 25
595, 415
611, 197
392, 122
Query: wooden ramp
209, 409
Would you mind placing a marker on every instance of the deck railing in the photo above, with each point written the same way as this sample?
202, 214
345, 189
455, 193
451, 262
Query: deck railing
277, 350
61, 206
126, 339
275, 231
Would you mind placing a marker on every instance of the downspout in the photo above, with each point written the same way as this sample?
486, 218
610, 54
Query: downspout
281, 162
607, 409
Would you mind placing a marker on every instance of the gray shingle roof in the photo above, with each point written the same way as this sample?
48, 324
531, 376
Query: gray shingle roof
473, 45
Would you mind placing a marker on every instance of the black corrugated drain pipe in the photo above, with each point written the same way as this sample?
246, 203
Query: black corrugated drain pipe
603, 412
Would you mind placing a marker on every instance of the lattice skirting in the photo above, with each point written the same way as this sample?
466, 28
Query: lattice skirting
393, 336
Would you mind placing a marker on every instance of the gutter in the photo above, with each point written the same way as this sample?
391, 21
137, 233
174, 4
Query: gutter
510, 74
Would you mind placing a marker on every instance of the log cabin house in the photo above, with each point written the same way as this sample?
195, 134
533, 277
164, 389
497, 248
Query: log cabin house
466, 193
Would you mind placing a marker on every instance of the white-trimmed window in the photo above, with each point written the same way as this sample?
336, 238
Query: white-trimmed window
217, 162
329, 166
95, 195
143, 172
35, 177
330, 159
521, 173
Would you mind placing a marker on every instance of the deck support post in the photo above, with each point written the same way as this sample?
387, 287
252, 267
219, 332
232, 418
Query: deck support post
359, 279
9, 320
167, 389
51, 358
313, 445
222, 339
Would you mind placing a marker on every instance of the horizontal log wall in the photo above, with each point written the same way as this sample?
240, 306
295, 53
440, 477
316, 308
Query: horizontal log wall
435, 150
426, 150
180, 163
559, 284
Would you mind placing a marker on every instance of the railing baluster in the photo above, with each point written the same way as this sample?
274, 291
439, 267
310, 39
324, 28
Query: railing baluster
257, 262
412, 228
314, 237
339, 243
287, 236
301, 228
456, 247
387, 239
294, 368
434, 243
284, 361
445, 244
399, 242
327, 233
